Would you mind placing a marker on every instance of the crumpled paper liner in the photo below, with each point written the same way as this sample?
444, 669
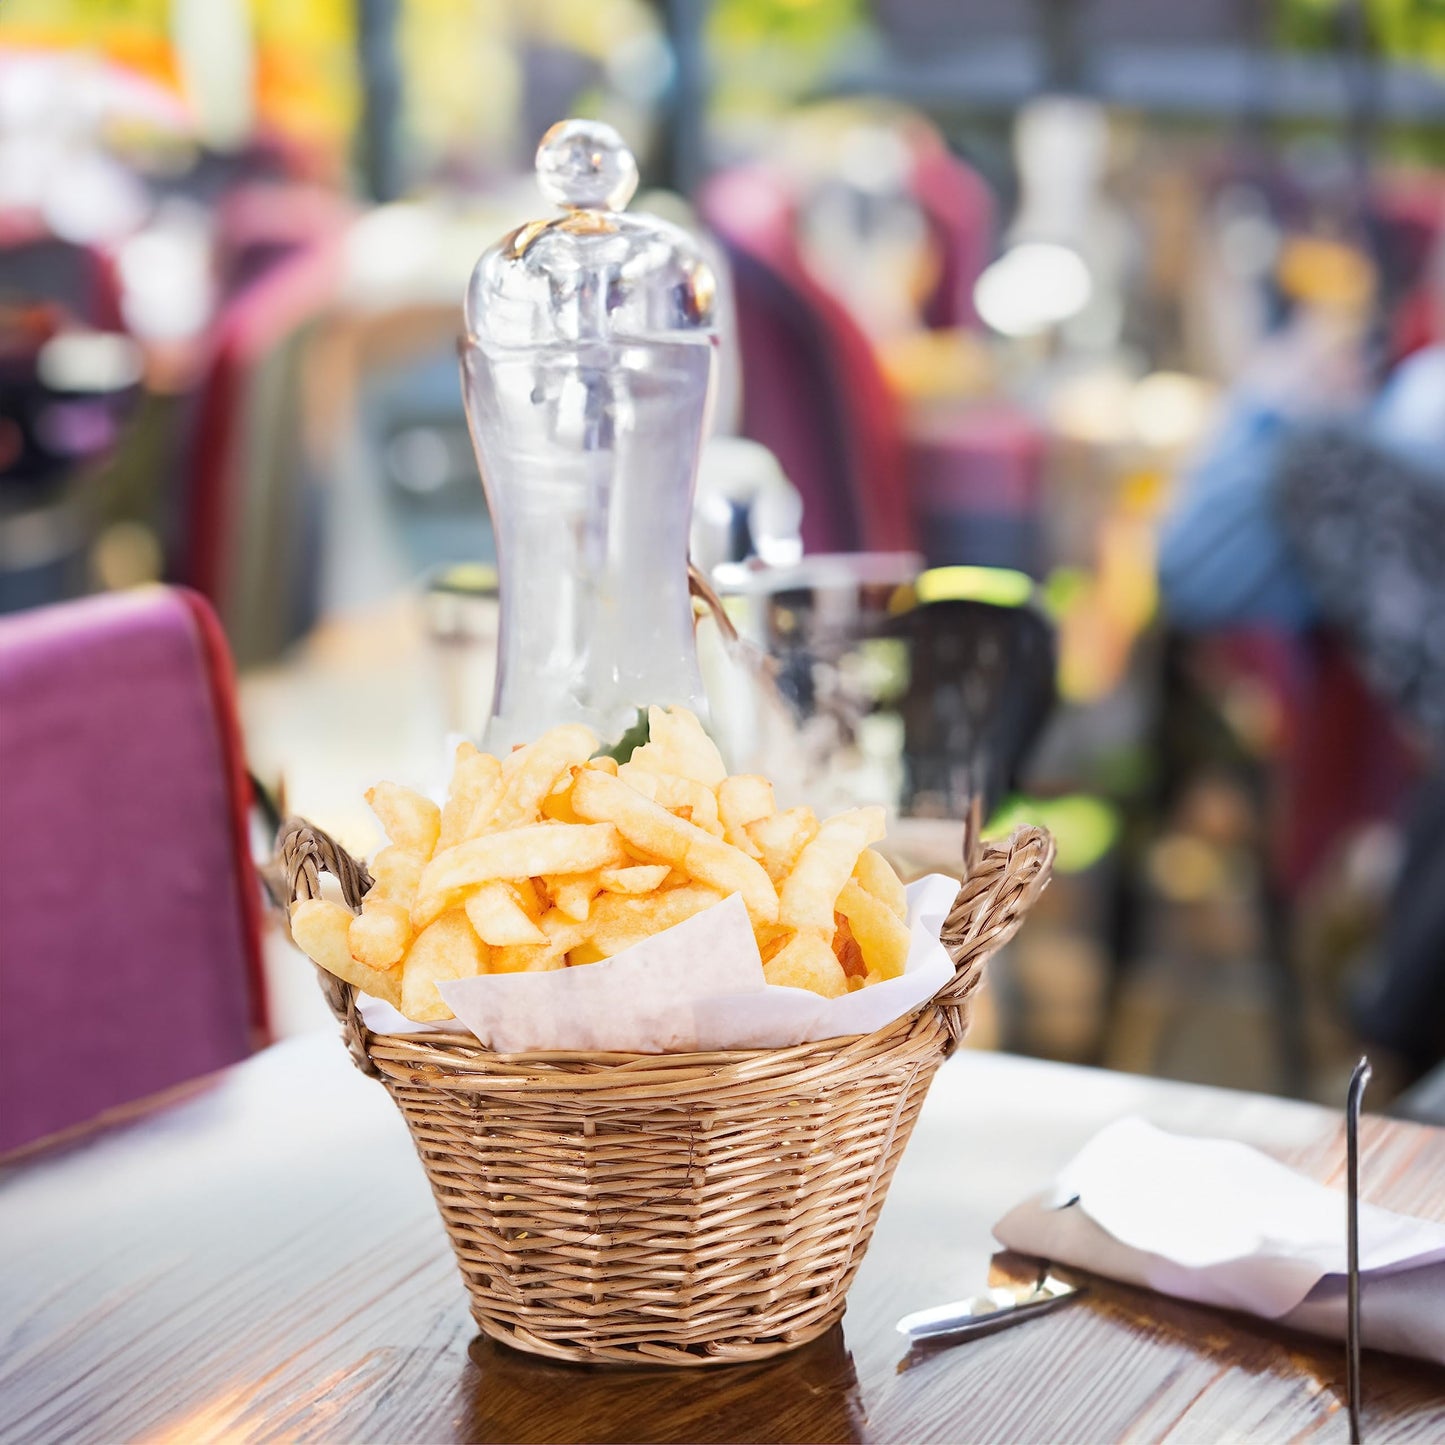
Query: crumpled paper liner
694, 988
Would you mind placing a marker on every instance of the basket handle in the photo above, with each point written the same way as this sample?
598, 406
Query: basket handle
1000, 887
1001, 882
303, 853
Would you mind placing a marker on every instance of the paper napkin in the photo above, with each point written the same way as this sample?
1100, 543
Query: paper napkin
1220, 1223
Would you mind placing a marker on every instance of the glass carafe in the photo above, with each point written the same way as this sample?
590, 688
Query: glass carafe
587, 367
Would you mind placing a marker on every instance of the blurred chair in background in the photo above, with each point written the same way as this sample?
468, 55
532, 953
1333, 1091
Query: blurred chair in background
981, 688
66, 394
129, 931
248, 538
813, 393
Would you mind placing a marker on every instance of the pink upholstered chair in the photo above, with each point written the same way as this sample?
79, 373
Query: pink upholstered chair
129, 912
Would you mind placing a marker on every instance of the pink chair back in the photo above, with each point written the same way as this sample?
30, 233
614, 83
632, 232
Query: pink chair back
129, 913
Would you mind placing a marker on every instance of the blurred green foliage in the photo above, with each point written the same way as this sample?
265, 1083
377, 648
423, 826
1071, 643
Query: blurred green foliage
1401, 29
769, 53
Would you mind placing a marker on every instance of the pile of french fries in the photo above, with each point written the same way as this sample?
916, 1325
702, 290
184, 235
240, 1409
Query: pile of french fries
556, 856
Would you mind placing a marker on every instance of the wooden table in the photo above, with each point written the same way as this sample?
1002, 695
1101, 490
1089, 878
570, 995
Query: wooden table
263, 1262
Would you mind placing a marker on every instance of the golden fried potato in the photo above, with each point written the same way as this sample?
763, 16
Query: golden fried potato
639, 878
809, 892
741, 800
409, 820
531, 773
881, 934
395, 874
876, 876
445, 949
618, 921
658, 834
475, 793
552, 857
321, 929
526, 958
526, 852
676, 745
807, 961
496, 913
572, 894
847, 951
529, 895
781, 837
380, 932
557, 805
689, 800
559, 933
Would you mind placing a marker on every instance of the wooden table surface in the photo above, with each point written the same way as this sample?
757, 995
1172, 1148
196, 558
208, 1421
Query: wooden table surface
263, 1262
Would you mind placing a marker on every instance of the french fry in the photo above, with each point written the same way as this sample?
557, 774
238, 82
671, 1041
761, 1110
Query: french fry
498, 918
562, 932
676, 745
881, 934
380, 932
410, 821
532, 772
688, 799
553, 857
770, 937
557, 805
660, 835
618, 921
474, 794
525, 852
525, 958
741, 800
530, 897
559, 933
321, 929
847, 951
781, 837
809, 892
640, 878
428, 907
807, 962
445, 949
572, 893
876, 876
395, 874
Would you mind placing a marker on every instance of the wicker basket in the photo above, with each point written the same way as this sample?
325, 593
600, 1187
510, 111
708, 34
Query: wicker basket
674, 1209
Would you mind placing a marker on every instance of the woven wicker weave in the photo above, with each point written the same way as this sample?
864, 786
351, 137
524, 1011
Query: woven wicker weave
675, 1209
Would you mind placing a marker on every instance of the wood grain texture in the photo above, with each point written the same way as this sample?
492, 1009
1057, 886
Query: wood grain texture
263, 1262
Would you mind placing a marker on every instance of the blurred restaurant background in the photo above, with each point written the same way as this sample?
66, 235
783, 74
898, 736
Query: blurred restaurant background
1079, 452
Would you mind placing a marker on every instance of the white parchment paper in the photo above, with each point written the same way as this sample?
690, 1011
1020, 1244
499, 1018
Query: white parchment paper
696, 987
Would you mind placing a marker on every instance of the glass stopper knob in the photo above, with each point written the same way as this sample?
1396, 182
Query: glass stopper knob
585, 165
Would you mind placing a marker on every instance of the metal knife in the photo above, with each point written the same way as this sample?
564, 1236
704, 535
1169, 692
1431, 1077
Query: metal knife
987, 1313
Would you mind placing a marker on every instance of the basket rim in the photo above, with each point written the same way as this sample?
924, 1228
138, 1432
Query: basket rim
455, 1060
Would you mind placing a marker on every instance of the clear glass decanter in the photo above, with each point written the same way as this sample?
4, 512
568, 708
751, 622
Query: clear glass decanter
588, 368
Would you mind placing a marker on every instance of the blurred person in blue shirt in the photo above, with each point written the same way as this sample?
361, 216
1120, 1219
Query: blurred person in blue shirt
1319, 503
